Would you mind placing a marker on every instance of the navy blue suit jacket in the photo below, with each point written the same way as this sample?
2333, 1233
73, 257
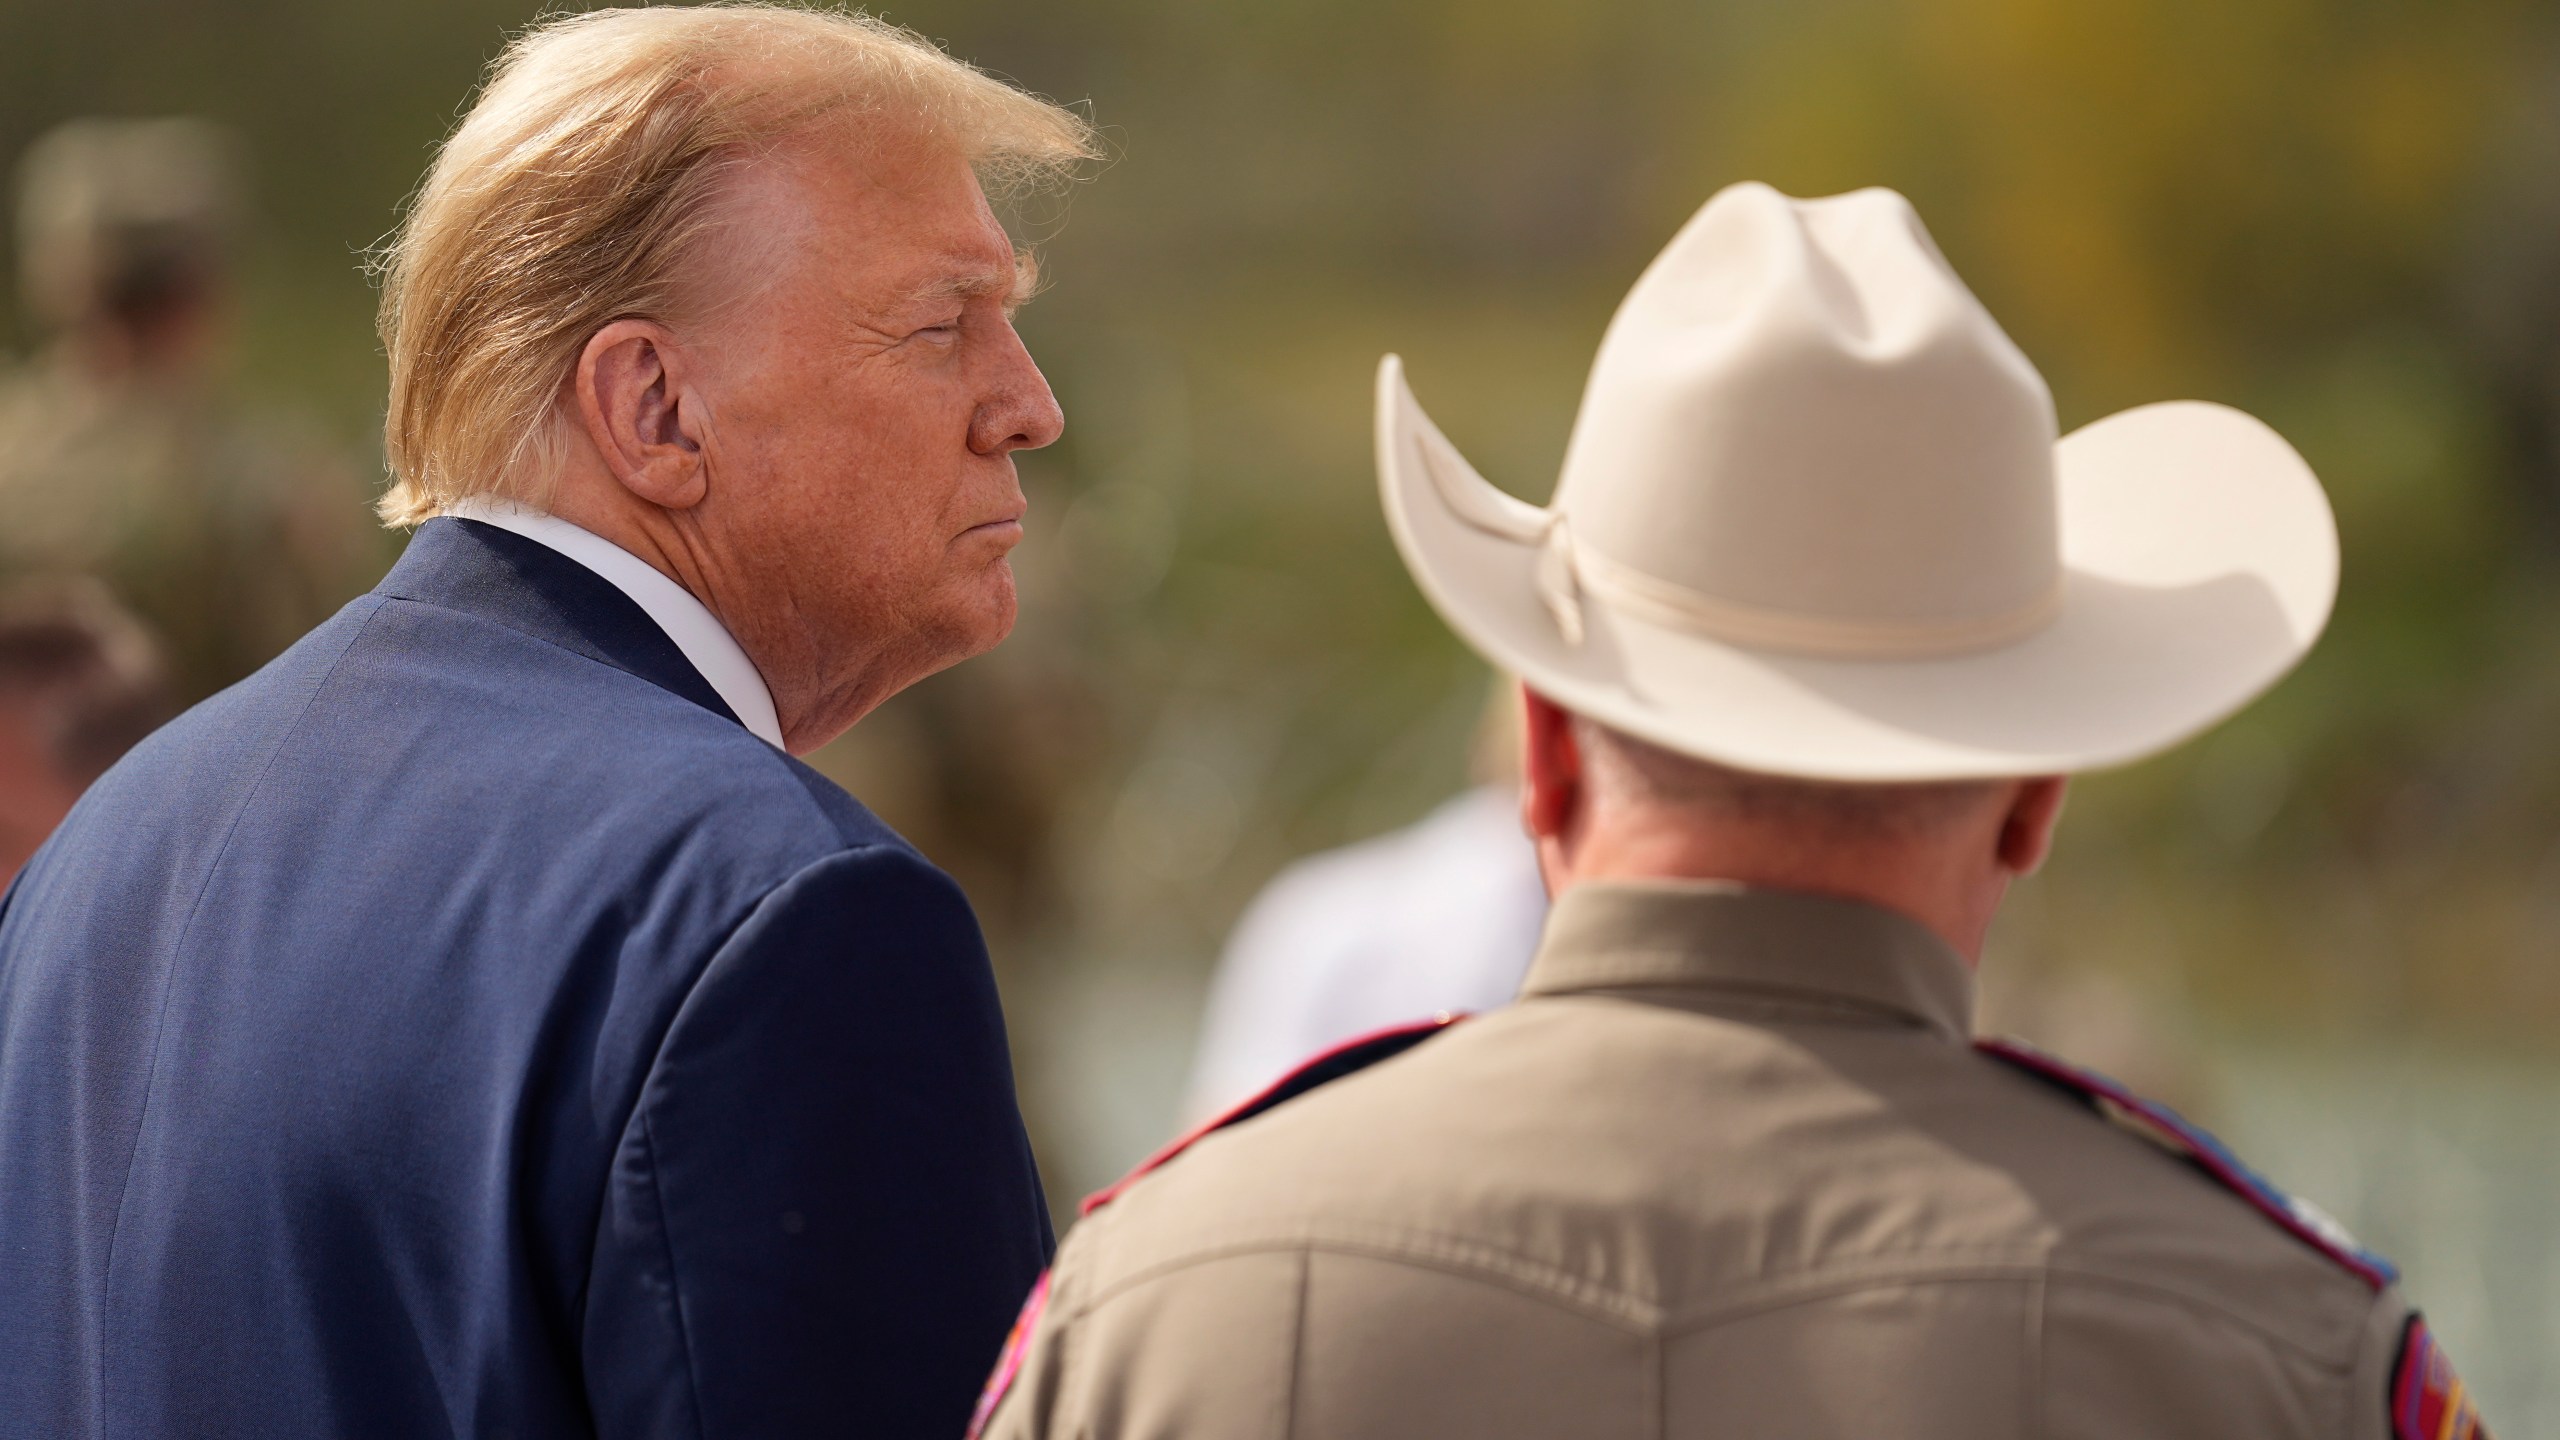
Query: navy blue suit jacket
464, 1027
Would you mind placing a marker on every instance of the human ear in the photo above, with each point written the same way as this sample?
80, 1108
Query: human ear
1551, 778
2026, 833
634, 395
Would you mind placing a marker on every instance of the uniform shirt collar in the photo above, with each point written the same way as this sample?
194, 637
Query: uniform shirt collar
707, 644
1752, 944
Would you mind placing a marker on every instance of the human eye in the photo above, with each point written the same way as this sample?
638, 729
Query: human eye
933, 327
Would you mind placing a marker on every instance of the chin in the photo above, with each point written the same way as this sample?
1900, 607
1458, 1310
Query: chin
989, 616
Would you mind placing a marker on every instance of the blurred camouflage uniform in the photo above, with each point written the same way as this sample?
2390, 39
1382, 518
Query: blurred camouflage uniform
118, 457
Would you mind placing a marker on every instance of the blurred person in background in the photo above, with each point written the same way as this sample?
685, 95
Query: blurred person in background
1439, 917
120, 456
80, 683
477, 1022
1821, 614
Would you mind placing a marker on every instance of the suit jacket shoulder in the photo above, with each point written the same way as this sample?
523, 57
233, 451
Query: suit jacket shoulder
365, 996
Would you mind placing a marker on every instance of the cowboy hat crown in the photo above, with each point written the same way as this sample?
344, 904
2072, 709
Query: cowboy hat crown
1814, 519
1783, 404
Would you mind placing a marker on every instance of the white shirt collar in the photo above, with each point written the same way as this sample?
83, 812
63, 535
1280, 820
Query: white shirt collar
688, 622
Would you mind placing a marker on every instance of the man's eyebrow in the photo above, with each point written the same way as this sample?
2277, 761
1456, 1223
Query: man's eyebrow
1015, 285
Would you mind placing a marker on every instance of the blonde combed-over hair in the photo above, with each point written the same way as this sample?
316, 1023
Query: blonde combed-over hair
587, 175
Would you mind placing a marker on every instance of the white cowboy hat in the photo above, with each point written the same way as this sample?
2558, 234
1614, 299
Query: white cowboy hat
1814, 521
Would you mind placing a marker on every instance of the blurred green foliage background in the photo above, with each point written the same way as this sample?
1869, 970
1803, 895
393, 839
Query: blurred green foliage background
2343, 215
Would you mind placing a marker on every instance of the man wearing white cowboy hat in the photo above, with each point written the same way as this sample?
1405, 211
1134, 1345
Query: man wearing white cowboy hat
1820, 614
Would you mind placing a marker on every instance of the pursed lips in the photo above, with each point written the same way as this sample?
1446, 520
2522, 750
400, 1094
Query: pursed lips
1007, 528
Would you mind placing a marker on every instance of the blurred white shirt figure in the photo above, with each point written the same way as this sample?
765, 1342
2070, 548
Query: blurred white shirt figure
1441, 915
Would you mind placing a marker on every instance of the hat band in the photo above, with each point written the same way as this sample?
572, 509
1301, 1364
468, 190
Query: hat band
1646, 597
1566, 571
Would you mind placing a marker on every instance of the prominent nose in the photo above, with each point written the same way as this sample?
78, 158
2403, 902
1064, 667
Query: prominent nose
1019, 412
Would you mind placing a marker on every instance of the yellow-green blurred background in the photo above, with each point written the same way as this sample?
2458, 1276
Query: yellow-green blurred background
2330, 925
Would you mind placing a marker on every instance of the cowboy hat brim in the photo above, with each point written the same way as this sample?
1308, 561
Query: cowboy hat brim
2200, 562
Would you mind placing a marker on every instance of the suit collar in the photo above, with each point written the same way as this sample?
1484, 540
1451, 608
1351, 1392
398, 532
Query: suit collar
707, 644
1737, 941
529, 587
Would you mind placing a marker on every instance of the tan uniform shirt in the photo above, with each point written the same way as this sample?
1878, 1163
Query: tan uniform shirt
1729, 1167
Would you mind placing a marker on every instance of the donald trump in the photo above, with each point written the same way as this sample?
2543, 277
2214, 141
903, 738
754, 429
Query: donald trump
477, 1022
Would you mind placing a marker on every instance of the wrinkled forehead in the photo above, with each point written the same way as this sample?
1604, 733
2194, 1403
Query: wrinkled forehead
881, 222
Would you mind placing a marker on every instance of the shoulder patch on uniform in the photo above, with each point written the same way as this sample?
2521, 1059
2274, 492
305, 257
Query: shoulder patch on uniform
1017, 1343
2427, 1398
2164, 1127
1347, 1058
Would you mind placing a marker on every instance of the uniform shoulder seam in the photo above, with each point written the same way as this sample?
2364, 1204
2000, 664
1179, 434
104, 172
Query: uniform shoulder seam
2173, 1136
2148, 1287
1338, 1062
1813, 1286
1554, 1288
1639, 1314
